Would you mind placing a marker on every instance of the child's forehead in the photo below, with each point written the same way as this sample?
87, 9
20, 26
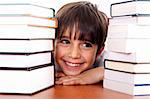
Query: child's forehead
71, 33
77, 32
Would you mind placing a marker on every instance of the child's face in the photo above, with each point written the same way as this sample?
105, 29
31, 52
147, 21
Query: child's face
74, 56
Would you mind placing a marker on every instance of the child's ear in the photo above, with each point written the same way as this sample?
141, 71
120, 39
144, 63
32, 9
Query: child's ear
100, 51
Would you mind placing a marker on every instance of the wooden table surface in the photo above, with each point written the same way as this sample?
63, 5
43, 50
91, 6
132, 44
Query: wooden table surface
75, 92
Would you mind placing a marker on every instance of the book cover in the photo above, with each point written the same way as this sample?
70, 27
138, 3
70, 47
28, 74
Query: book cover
26, 9
26, 32
133, 7
22, 60
26, 80
28, 20
25, 45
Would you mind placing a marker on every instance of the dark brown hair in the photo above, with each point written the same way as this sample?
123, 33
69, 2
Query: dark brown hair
89, 22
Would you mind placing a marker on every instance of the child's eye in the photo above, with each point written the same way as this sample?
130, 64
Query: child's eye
64, 41
87, 44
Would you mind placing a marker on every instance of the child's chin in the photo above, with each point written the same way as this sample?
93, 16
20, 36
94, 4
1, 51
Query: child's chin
69, 73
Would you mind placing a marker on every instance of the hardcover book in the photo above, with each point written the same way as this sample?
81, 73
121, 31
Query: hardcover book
127, 88
128, 45
25, 45
28, 80
138, 57
26, 32
28, 20
26, 9
133, 19
133, 7
127, 77
127, 66
129, 31
44, 3
22, 60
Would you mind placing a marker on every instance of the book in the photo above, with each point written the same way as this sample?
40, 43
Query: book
26, 9
127, 66
137, 57
25, 45
132, 7
128, 45
26, 32
129, 31
127, 77
133, 19
28, 20
45, 3
22, 60
26, 80
127, 88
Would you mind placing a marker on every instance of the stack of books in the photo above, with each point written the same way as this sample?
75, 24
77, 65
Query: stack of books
27, 32
127, 64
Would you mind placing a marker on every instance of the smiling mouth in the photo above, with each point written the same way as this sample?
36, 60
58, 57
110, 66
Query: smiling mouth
73, 64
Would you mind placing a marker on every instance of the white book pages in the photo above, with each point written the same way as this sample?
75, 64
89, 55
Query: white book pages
127, 88
127, 77
26, 82
44, 3
26, 32
129, 31
28, 20
26, 9
128, 45
24, 60
130, 8
137, 57
25, 46
125, 20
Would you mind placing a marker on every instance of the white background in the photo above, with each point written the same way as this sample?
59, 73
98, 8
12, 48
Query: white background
103, 5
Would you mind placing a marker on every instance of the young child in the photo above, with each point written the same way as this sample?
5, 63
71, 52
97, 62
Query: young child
80, 38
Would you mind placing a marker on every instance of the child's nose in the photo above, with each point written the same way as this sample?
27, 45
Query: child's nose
74, 52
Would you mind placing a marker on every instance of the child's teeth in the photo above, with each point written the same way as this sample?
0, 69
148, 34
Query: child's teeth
72, 64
